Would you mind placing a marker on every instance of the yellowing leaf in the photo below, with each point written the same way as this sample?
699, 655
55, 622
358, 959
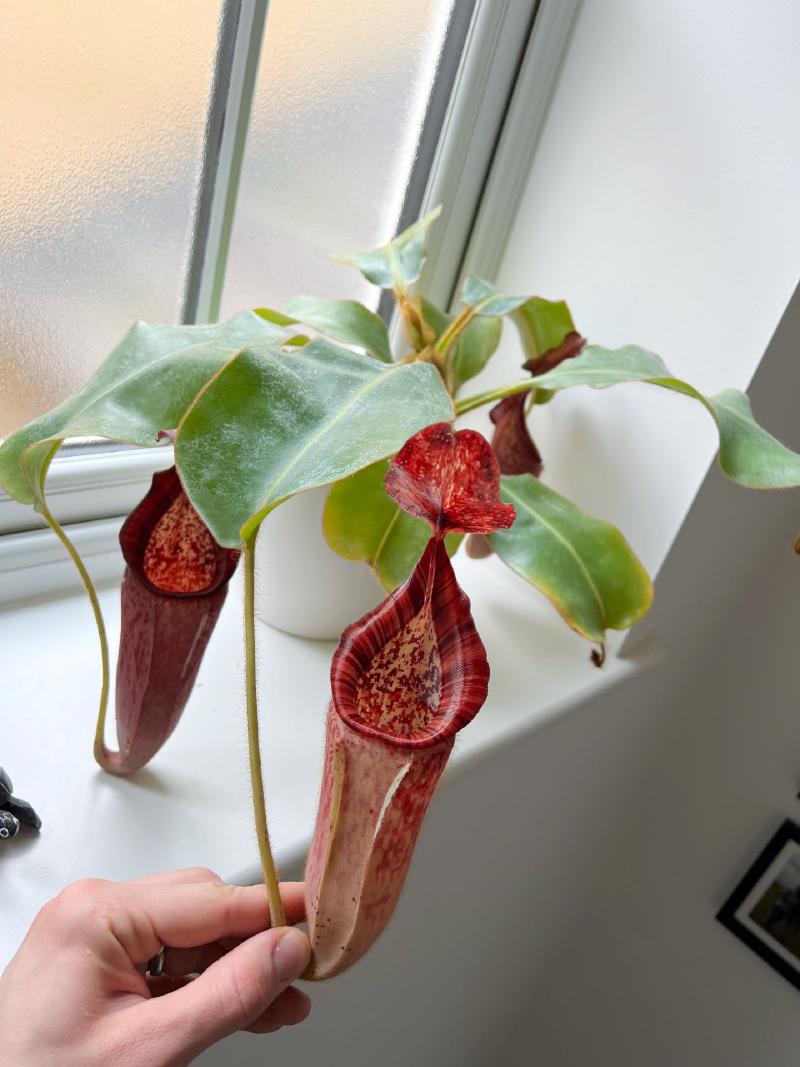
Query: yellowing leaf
584, 566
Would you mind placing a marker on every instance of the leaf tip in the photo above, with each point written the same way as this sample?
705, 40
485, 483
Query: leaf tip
598, 655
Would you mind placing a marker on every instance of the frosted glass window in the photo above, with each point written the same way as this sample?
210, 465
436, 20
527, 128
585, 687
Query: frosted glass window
339, 104
102, 109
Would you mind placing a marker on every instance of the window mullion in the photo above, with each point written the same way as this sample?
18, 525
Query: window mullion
241, 34
469, 130
527, 111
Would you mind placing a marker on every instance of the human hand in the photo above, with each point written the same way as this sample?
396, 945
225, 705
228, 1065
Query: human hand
76, 995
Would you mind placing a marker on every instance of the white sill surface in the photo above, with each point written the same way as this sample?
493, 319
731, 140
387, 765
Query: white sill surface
191, 805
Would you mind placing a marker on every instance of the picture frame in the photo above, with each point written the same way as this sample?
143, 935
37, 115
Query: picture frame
763, 911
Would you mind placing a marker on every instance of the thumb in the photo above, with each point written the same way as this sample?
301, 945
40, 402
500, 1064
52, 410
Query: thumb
231, 994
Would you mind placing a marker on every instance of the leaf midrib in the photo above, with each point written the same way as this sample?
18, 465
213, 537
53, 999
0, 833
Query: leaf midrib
233, 352
560, 537
378, 379
745, 418
599, 373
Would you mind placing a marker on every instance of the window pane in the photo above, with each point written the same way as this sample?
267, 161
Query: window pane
103, 108
338, 109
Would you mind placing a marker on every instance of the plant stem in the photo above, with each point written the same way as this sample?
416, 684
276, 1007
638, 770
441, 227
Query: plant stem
99, 734
450, 335
492, 395
277, 917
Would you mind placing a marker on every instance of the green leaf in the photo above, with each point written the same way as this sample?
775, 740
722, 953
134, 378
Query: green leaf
276, 317
398, 264
542, 396
476, 345
542, 324
343, 320
271, 424
748, 454
484, 299
603, 367
434, 317
279, 319
361, 522
584, 566
145, 385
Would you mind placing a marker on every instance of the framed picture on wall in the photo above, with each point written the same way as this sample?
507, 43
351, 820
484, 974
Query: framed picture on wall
764, 909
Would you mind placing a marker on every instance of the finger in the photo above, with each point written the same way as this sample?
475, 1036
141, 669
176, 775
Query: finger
232, 994
292, 893
178, 961
185, 876
289, 1009
194, 914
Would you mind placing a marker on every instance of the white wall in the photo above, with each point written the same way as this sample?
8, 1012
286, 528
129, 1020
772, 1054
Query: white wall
644, 974
663, 203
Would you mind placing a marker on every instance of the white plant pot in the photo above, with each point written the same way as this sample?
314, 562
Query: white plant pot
302, 586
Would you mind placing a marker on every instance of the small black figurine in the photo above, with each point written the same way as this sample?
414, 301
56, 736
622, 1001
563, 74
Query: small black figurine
9, 825
14, 811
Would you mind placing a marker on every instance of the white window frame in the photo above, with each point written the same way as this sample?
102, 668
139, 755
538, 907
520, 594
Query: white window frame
487, 110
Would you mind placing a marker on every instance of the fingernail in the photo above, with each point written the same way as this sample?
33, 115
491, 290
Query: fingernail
291, 954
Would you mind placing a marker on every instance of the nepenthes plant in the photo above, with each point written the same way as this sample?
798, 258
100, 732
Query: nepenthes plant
273, 403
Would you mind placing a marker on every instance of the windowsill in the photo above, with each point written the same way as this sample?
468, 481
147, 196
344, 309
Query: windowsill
90, 483
191, 805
